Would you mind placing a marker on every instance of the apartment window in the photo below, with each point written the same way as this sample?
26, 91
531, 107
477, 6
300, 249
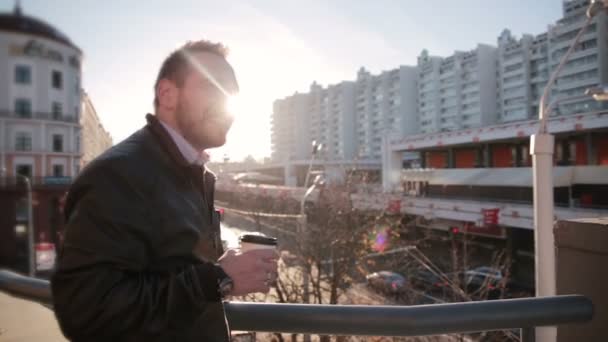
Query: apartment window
23, 108
23, 141
57, 79
57, 110
57, 170
23, 74
513, 67
580, 76
57, 143
24, 170
513, 78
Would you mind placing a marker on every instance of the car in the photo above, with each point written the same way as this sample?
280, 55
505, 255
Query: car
424, 279
482, 279
386, 282
479, 276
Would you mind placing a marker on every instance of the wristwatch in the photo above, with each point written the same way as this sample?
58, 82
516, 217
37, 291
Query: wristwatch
225, 284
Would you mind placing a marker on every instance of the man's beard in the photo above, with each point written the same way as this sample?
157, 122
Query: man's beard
190, 128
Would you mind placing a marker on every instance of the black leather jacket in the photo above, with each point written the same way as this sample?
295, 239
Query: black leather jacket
142, 236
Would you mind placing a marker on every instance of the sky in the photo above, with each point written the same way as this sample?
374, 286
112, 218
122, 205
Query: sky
277, 47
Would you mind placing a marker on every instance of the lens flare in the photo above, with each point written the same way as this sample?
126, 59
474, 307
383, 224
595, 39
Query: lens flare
234, 105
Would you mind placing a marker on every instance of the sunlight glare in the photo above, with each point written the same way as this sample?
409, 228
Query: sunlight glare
235, 106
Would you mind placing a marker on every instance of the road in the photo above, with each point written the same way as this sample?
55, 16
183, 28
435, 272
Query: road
25, 321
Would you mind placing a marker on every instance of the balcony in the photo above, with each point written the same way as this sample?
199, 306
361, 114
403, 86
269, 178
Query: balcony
564, 44
38, 116
36, 182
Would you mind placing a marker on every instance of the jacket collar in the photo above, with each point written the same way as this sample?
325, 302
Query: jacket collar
167, 143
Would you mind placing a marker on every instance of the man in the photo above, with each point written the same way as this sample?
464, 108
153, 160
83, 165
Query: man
142, 257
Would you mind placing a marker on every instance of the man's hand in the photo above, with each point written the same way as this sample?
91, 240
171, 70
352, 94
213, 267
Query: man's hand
252, 271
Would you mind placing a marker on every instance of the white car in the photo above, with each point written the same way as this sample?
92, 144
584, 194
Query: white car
479, 275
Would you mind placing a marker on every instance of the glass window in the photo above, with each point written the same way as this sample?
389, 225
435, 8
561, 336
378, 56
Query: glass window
57, 143
57, 170
23, 141
23, 108
24, 170
23, 74
57, 79
57, 110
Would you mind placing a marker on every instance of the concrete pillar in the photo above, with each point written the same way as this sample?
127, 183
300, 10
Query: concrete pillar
291, 178
451, 160
591, 152
44, 148
3, 148
487, 156
391, 165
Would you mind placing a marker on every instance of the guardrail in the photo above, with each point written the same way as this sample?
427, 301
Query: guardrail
525, 313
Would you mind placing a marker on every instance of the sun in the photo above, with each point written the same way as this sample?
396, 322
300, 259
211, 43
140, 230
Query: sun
235, 106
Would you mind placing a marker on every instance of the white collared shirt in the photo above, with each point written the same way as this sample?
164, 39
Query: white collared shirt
192, 155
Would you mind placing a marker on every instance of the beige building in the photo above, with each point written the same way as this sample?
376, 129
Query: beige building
95, 139
40, 77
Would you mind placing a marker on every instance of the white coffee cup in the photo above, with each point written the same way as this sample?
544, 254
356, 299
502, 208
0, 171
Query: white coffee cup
252, 241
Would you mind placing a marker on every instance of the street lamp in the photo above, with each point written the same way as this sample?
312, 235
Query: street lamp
30, 227
302, 226
541, 149
598, 93
315, 149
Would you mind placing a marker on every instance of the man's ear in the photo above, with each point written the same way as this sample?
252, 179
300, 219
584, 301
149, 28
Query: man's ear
167, 94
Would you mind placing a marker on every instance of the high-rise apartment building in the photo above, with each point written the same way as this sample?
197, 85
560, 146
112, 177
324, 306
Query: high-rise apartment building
458, 91
476, 88
587, 66
384, 103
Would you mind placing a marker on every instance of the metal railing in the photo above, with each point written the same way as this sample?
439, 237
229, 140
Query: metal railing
525, 313
39, 116
50, 181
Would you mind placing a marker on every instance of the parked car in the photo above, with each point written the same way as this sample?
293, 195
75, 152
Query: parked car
386, 282
479, 276
424, 279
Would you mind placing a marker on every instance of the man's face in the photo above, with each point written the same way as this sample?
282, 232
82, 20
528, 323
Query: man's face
201, 112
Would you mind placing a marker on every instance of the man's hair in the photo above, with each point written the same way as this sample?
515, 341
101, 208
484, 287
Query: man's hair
177, 65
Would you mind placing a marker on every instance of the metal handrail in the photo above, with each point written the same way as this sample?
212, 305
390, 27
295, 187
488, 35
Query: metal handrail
374, 320
61, 117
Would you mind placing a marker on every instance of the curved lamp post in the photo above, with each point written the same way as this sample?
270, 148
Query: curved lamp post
541, 148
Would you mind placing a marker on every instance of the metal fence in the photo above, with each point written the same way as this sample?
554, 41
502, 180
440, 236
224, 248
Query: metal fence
435, 319
39, 116
18, 182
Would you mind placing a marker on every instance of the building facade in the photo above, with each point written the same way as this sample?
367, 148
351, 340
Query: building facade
40, 113
467, 90
348, 118
587, 67
457, 91
384, 103
94, 139
39, 99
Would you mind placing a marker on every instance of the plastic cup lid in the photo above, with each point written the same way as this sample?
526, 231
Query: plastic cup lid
258, 238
